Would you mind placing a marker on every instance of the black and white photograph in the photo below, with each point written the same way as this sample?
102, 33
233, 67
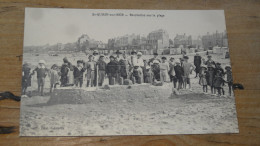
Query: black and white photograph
105, 72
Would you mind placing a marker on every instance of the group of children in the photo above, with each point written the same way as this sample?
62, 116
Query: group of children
121, 68
212, 75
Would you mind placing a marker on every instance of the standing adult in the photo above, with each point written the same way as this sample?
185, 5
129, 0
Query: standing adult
124, 67
155, 57
209, 62
164, 69
197, 63
138, 63
187, 68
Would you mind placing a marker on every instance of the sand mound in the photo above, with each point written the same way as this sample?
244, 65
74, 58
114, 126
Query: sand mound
122, 92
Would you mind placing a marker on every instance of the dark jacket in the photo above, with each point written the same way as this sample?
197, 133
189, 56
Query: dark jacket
101, 65
218, 81
179, 72
197, 60
41, 72
220, 69
112, 68
78, 73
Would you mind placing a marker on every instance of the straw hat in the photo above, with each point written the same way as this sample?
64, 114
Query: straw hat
42, 62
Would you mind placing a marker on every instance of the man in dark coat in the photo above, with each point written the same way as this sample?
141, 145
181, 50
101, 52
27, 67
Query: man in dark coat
112, 70
197, 63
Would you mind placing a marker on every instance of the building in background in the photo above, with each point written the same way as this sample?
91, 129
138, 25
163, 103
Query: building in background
158, 40
197, 44
216, 39
85, 43
184, 40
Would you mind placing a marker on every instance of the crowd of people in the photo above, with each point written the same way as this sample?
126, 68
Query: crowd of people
122, 69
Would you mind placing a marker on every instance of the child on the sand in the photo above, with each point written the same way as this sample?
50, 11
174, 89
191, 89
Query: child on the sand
78, 73
210, 77
203, 80
218, 83
54, 77
229, 78
90, 66
178, 74
42, 72
26, 77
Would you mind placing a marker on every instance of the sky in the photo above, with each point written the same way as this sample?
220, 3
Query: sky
57, 25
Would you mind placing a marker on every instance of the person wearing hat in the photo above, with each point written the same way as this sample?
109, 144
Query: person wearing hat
219, 68
101, 66
54, 76
209, 62
66, 68
95, 56
118, 57
218, 83
155, 57
187, 68
178, 74
181, 61
26, 77
164, 69
210, 77
42, 72
91, 70
124, 69
112, 70
148, 75
229, 79
138, 64
78, 73
197, 63
203, 80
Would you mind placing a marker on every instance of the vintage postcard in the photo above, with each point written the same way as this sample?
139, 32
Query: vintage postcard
99, 72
